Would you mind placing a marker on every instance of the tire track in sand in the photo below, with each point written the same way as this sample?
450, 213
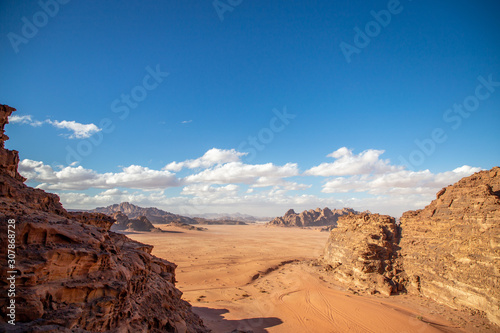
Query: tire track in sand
336, 318
290, 309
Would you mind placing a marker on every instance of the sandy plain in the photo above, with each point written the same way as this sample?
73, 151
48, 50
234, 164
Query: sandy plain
265, 279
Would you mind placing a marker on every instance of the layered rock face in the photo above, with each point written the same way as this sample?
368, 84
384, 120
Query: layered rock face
124, 223
74, 274
310, 218
362, 253
154, 215
451, 248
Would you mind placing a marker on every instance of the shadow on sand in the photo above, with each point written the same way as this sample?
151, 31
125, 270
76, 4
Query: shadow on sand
213, 319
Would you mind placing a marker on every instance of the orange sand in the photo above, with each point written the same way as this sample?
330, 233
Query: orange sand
240, 277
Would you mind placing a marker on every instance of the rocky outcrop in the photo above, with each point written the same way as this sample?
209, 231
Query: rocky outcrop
73, 274
123, 223
184, 226
96, 219
155, 215
362, 253
451, 248
311, 218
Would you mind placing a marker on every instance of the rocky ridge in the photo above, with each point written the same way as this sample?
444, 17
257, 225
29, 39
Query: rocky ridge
230, 217
154, 215
158, 216
310, 218
76, 275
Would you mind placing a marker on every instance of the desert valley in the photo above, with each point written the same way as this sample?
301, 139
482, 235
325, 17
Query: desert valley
125, 268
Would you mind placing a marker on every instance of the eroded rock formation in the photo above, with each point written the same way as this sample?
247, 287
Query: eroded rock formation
310, 218
451, 248
123, 223
153, 214
362, 253
74, 274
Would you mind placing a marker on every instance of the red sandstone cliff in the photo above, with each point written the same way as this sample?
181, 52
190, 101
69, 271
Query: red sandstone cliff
310, 218
74, 274
448, 251
451, 248
362, 252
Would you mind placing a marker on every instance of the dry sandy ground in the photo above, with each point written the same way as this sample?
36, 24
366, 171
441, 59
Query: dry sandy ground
261, 279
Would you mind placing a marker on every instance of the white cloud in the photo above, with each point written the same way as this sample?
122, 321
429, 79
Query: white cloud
212, 194
390, 188
257, 175
79, 131
25, 120
113, 192
186, 121
79, 178
398, 183
225, 184
212, 157
367, 162
201, 198
367, 172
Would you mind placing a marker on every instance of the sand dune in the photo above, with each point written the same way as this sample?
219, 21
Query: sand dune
262, 279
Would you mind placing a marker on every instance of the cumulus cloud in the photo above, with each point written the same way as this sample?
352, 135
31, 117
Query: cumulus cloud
25, 120
79, 178
347, 163
212, 157
219, 181
257, 175
390, 188
213, 194
401, 182
201, 198
78, 130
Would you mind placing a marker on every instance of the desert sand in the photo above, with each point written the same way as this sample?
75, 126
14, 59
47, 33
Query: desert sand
265, 279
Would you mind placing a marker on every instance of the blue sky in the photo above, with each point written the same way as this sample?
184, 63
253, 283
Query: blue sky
262, 109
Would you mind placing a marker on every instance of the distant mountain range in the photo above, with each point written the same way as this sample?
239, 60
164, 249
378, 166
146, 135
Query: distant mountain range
155, 215
158, 216
234, 216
